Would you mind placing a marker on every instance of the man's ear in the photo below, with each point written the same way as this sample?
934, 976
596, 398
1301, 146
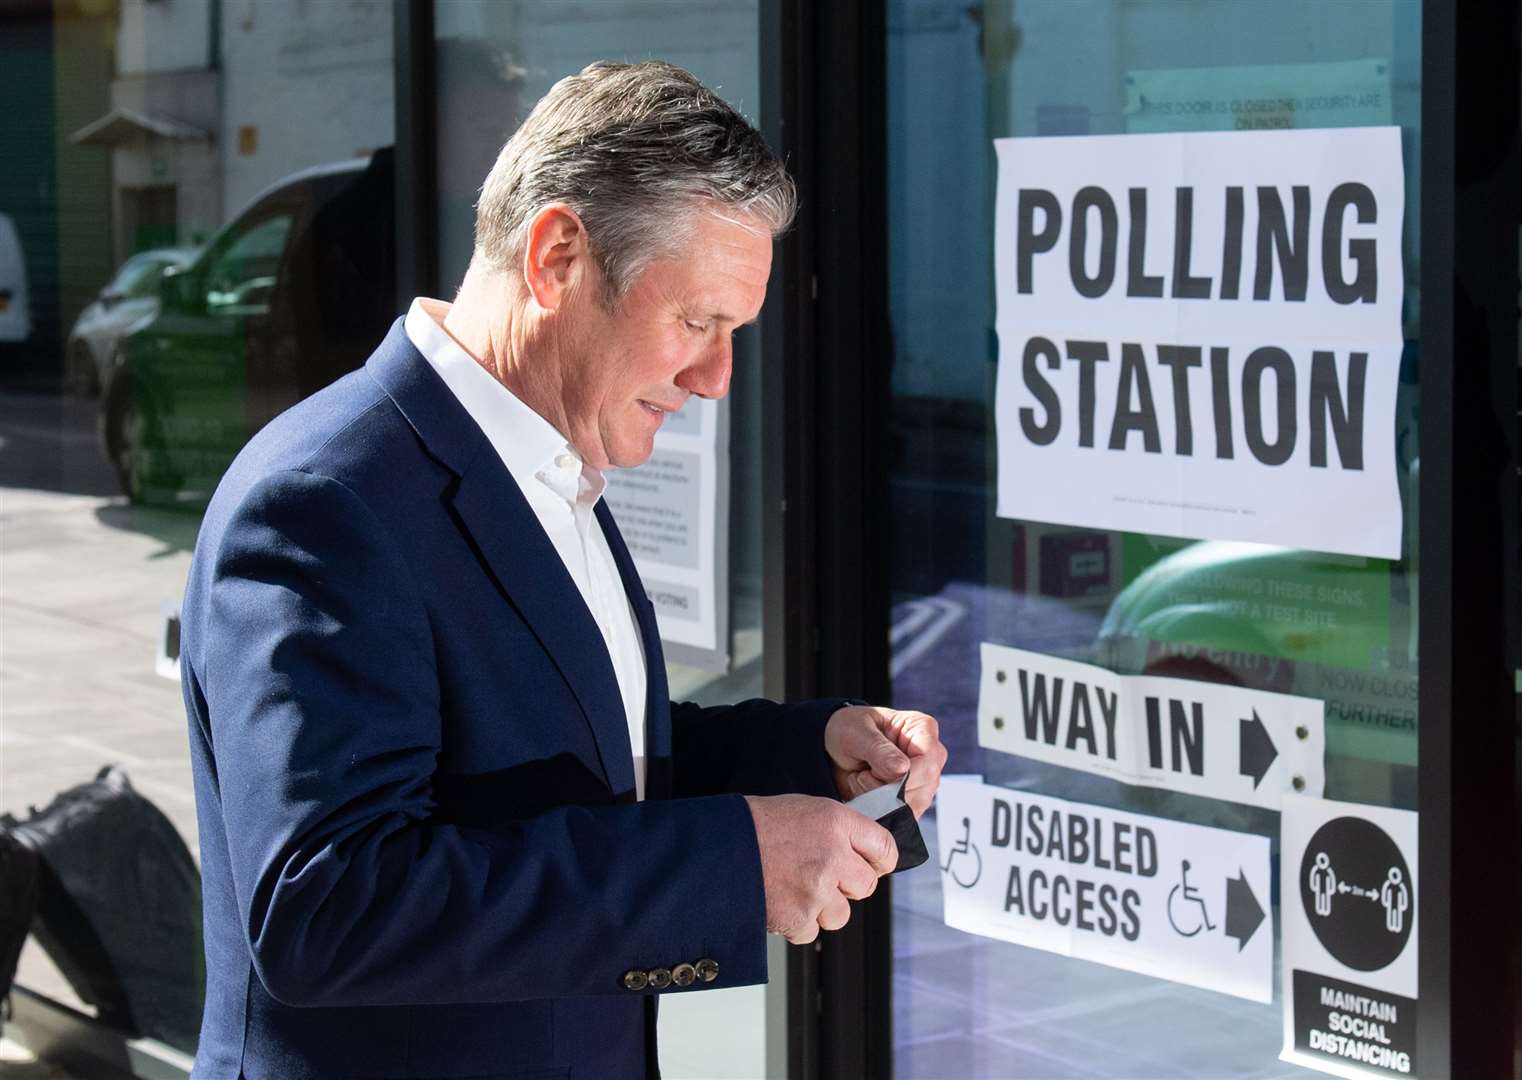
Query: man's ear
556, 254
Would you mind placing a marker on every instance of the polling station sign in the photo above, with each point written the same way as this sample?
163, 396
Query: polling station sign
1348, 902
1219, 742
1200, 334
1159, 897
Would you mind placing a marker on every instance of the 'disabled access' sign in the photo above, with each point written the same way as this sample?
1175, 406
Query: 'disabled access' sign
1159, 897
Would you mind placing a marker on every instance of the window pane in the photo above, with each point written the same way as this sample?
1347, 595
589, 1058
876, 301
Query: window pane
1338, 629
248, 146
496, 58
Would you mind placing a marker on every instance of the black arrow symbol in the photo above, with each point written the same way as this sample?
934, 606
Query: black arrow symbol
1258, 749
1243, 913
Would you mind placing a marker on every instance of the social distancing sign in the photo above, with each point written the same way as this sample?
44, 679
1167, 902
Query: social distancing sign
1163, 898
1220, 742
1200, 334
1348, 906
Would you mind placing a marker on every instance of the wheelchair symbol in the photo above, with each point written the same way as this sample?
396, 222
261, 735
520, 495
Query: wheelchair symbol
969, 876
1191, 895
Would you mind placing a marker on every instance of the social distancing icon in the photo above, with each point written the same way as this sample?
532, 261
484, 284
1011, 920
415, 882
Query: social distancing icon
1355, 887
1396, 899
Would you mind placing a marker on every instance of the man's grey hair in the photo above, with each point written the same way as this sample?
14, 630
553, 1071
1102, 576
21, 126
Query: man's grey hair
634, 150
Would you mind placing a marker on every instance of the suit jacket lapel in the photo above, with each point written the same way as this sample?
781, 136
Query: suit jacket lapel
657, 693
503, 529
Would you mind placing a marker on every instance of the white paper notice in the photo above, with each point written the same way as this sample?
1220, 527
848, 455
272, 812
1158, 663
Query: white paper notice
1256, 97
1221, 742
1348, 902
1200, 334
1163, 898
670, 511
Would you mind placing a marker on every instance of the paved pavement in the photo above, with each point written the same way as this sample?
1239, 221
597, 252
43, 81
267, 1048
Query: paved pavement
19, 1063
82, 577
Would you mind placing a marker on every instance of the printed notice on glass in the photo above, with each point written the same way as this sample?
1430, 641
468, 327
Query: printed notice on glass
1257, 97
1164, 898
672, 512
1348, 901
1200, 334
1207, 739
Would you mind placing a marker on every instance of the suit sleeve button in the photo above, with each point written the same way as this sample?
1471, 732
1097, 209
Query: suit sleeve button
683, 974
707, 970
660, 978
635, 980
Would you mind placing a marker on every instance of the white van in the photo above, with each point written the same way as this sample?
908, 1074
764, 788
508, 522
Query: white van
15, 300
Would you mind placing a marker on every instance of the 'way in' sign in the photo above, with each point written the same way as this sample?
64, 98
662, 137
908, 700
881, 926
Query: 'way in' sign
1222, 742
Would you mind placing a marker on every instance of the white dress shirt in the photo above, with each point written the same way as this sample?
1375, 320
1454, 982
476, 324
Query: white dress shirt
561, 489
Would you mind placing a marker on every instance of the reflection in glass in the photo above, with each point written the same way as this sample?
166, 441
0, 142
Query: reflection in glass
202, 200
496, 58
1333, 628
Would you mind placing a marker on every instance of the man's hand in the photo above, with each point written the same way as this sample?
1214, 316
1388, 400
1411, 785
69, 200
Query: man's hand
815, 856
870, 746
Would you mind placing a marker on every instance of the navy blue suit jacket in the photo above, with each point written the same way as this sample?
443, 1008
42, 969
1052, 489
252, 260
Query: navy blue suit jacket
420, 847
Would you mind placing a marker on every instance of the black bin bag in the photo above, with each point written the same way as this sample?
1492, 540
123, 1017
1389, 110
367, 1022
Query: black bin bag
119, 907
18, 903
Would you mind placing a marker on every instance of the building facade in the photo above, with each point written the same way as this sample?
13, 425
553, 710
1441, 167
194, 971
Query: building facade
1137, 393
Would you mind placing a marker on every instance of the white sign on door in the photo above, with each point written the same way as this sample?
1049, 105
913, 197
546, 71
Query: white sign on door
1348, 902
1221, 742
1159, 897
673, 513
1200, 334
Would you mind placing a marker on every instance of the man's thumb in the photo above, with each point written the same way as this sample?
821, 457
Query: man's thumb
886, 760
876, 844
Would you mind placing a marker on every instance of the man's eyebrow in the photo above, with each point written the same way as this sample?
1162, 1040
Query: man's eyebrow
719, 316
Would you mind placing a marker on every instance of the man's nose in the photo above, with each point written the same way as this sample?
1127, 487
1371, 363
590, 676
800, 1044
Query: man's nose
708, 376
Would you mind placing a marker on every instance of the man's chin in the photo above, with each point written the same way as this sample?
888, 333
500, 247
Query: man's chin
631, 456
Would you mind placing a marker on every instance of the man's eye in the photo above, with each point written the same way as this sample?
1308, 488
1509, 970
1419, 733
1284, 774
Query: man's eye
697, 327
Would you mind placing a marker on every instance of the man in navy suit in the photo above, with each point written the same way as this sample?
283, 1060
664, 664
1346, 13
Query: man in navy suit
451, 823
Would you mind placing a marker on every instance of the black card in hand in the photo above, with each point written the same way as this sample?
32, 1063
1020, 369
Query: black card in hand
886, 806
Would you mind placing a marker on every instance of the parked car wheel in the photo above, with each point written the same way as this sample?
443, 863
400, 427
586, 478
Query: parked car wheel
135, 445
82, 378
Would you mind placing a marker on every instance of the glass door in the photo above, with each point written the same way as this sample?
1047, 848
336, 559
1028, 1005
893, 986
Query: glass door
1154, 298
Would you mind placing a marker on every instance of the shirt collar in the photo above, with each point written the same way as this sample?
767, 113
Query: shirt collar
528, 444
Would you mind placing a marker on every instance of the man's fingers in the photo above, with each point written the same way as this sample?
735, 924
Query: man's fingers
924, 779
864, 743
859, 783
875, 844
803, 935
859, 882
886, 761
919, 734
835, 913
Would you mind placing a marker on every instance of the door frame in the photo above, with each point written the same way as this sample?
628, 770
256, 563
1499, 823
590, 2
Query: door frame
830, 374
827, 367
1468, 654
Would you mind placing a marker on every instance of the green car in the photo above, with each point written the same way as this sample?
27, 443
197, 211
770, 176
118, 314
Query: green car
1341, 629
295, 291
